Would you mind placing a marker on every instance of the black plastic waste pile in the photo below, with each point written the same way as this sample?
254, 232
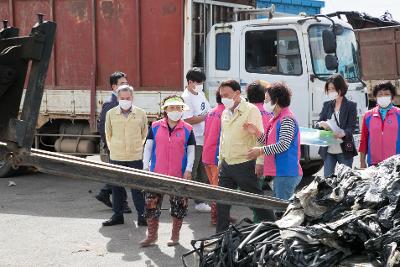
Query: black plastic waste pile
354, 213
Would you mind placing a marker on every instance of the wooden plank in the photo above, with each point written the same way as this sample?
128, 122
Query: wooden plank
74, 167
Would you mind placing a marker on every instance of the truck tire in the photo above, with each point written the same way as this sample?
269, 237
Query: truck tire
6, 170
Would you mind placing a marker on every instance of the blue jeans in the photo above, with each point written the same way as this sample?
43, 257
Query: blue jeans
331, 160
284, 186
119, 194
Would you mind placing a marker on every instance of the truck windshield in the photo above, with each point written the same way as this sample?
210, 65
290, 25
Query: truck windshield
347, 53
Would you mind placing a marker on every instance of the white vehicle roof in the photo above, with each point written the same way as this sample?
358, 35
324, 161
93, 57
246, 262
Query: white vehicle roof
284, 19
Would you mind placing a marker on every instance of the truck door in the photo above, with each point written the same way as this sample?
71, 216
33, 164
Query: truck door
221, 64
274, 53
349, 68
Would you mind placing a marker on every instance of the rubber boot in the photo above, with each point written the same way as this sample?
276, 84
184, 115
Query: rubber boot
152, 233
213, 213
176, 228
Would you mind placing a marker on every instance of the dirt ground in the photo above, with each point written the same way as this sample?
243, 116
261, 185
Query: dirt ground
54, 221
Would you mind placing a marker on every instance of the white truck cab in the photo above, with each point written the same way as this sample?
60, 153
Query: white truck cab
290, 49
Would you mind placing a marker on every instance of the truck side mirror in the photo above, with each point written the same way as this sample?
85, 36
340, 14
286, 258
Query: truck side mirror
331, 62
329, 41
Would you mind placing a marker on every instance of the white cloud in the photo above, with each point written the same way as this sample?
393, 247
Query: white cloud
372, 7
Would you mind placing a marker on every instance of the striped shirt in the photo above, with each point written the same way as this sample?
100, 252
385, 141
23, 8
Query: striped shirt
286, 134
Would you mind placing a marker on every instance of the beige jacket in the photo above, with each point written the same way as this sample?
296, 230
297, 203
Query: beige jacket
235, 141
125, 136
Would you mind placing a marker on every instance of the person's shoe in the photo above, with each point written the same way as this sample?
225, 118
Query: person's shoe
202, 207
126, 208
176, 228
104, 198
141, 221
114, 220
152, 233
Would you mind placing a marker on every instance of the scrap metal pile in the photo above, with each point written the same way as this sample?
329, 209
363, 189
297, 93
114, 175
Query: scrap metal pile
355, 213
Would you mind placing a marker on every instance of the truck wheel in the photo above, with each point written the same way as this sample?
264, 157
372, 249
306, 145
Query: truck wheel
6, 170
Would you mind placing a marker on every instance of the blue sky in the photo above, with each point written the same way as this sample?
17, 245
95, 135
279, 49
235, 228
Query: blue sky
372, 7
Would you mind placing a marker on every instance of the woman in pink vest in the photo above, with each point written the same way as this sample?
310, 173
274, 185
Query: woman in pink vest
282, 139
211, 148
256, 95
169, 150
380, 134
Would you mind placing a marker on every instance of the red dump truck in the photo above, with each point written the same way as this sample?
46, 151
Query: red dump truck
155, 42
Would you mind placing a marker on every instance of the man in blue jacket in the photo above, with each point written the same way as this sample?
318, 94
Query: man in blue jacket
116, 79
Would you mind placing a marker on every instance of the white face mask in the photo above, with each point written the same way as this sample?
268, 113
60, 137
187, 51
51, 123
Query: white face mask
198, 88
269, 107
125, 104
228, 102
332, 95
384, 101
174, 115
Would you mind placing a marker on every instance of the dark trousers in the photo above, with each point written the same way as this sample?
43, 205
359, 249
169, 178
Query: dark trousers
119, 193
331, 160
243, 176
106, 190
199, 173
105, 157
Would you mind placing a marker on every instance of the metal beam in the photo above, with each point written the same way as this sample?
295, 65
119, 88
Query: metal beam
74, 167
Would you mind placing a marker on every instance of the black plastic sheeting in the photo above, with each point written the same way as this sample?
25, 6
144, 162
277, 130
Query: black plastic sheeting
355, 213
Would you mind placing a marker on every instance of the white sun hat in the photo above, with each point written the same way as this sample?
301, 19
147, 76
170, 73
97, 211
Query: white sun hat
175, 101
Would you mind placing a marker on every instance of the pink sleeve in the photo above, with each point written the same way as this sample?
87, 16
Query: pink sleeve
364, 137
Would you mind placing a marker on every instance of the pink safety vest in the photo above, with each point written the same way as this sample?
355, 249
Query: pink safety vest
383, 136
266, 116
169, 152
212, 134
286, 163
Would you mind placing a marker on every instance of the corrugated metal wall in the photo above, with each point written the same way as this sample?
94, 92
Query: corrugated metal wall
143, 38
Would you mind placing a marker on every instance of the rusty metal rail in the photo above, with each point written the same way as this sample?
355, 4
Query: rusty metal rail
74, 167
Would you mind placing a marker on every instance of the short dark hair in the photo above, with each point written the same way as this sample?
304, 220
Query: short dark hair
218, 96
383, 86
232, 84
280, 94
339, 82
256, 92
116, 76
195, 75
